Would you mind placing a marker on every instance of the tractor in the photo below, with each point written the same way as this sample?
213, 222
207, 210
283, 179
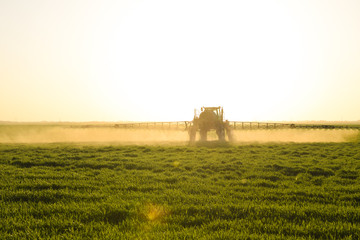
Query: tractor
210, 118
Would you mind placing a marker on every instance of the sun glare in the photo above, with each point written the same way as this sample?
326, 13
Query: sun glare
174, 58
158, 60
154, 212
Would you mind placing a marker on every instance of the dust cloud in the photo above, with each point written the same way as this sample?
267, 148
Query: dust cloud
79, 135
296, 135
59, 134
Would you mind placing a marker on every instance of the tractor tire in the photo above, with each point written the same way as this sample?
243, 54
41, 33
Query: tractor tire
221, 134
230, 135
192, 134
203, 135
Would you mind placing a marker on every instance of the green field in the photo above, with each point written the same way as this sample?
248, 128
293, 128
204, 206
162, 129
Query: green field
246, 191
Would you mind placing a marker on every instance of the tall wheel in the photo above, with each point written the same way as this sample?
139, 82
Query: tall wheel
221, 134
228, 131
192, 134
203, 135
230, 134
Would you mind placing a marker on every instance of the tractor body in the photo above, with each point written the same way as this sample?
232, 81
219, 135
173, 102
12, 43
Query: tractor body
210, 118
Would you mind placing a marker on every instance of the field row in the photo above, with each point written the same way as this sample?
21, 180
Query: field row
259, 191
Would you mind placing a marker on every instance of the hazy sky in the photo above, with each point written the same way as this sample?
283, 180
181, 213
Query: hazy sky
86, 60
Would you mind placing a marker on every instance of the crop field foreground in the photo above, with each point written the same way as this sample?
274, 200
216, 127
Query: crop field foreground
209, 191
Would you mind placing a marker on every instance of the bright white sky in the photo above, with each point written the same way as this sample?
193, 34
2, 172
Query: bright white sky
109, 60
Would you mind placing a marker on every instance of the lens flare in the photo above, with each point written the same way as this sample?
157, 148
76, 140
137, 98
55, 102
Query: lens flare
154, 212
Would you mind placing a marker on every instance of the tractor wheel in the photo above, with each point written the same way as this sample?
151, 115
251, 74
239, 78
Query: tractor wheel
203, 135
192, 133
230, 134
221, 134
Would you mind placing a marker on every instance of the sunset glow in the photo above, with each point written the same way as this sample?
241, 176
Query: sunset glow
158, 60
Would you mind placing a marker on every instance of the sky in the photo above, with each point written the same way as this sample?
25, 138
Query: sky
138, 60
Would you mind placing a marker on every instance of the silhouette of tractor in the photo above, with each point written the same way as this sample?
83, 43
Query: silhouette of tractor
210, 118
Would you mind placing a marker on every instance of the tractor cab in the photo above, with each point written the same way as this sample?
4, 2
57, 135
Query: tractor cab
212, 112
215, 111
